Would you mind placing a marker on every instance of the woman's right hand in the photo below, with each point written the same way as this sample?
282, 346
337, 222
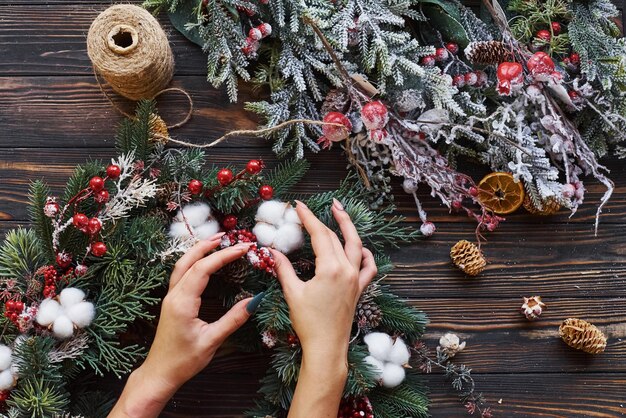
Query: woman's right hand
322, 309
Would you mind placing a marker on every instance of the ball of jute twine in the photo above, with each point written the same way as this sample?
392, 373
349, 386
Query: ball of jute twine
130, 51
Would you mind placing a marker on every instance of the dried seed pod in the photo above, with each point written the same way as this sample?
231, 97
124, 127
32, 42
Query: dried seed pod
549, 206
533, 307
158, 129
467, 257
582, 335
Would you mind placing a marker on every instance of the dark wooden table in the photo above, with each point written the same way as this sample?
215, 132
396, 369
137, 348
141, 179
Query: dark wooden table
53, 116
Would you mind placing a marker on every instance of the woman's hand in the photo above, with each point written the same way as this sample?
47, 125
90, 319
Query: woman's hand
184, 344
322, 310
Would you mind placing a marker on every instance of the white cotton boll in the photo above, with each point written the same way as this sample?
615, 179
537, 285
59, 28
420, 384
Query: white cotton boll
5, 357
195, 213
399, 353
379, 344
6, 380
179, 230
393, 375
265, 234
63, 327
377, 365
271, 212
81, 314
207, 229
291, 216
48, 312
289, 237
71, 296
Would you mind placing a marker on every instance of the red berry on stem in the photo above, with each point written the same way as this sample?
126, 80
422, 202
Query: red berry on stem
254, 166
265, 28
230, 222
96, 183
575, 58
452, 47
113, 171
556, 27
255, 34
540, 63
225, 176
64, 259
98, 249
94, 226
544, 35
102, 196
80, 220
471, 79
509, 75
429, 61
458, 80
195, 186
573, 95
457, 204
441, 54
473, 191
266, 192
81, 270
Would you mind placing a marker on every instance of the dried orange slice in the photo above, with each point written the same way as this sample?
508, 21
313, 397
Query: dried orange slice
500, 193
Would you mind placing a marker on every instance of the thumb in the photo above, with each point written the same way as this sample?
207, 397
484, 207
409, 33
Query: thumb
284, 271
232, 320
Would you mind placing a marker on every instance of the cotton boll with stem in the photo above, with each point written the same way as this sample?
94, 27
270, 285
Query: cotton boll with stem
179, 230
71, 296
377, 365
399, 353
196, 214
207, 229
289, 237
48, 311
379, 344
81, 314
265, 234
271, 212
62, 327
393, 375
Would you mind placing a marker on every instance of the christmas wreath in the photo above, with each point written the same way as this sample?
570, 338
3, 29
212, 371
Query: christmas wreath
533, 89
96, 258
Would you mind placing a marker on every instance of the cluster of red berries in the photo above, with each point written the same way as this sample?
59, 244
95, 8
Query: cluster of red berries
476, 78
259, 257
545, 35
50, 280
293, 340
255, 34
226, 176
441, 54
92, 227
13, 309
355, 407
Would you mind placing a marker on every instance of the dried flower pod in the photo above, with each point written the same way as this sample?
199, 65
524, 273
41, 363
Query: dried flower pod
533, 307
467, 257
549, 206
450, 344
582, 335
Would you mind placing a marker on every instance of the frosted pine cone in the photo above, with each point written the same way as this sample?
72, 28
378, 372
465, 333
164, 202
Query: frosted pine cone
533, 307
335, 101
487, 52
549, 206
582, 335
467, 257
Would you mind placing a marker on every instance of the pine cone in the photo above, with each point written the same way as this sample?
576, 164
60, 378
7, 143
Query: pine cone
467, 257
550, 206
335, 101
235, 272
582, 335
158, 129
487, 52
244, 294
368, 315
165, 192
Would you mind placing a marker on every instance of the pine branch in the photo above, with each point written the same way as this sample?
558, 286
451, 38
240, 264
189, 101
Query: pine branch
38, 196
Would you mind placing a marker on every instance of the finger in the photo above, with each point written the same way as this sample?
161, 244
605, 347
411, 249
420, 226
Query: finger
320, 240
192, 255
285, 273
196, 279
353, 244
230, 322
368, 269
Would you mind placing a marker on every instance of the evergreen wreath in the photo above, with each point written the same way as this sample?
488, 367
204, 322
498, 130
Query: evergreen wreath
532, 88
97, 257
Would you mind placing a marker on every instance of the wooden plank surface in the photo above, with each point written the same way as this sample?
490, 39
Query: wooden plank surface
53, 117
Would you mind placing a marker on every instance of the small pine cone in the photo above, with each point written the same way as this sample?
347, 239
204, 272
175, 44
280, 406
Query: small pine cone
467, 257
368, 315
161, 215
582, 335
235, 272
335, 101
487, 52
165, 192
244, 294
158, 129
550, 206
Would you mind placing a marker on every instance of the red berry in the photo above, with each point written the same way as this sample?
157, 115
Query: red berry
441, 54
254, 166
458, 80
556, 27
64, 259
96, 183
429, 61
19, 306
51, 208
266, 192
195, 186
573, 95
540, 63
452, 47
255, 34
473, 191
544, 35
566, 61
94, 226
509, 75
230, 222
471, 79
98, 249
4, 395
251, 46
457, 204
81, 270
10, 305
292, 339
102, 196
483, 79
80, 220
374, 115
575, 58
336, 133
225, 176
113, 171
265, 28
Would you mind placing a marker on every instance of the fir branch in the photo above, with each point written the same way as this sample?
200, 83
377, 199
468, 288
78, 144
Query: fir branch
38, 196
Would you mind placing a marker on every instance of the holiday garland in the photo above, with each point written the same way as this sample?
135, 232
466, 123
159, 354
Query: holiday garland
532, 89
98, 256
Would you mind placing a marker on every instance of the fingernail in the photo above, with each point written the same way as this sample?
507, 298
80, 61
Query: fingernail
254, 303
337, 204
217, 236
242, 246
299, 203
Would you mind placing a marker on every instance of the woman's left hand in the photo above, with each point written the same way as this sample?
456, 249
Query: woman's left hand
184, 344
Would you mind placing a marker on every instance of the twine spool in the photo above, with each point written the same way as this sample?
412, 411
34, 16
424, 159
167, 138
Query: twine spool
130, 51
